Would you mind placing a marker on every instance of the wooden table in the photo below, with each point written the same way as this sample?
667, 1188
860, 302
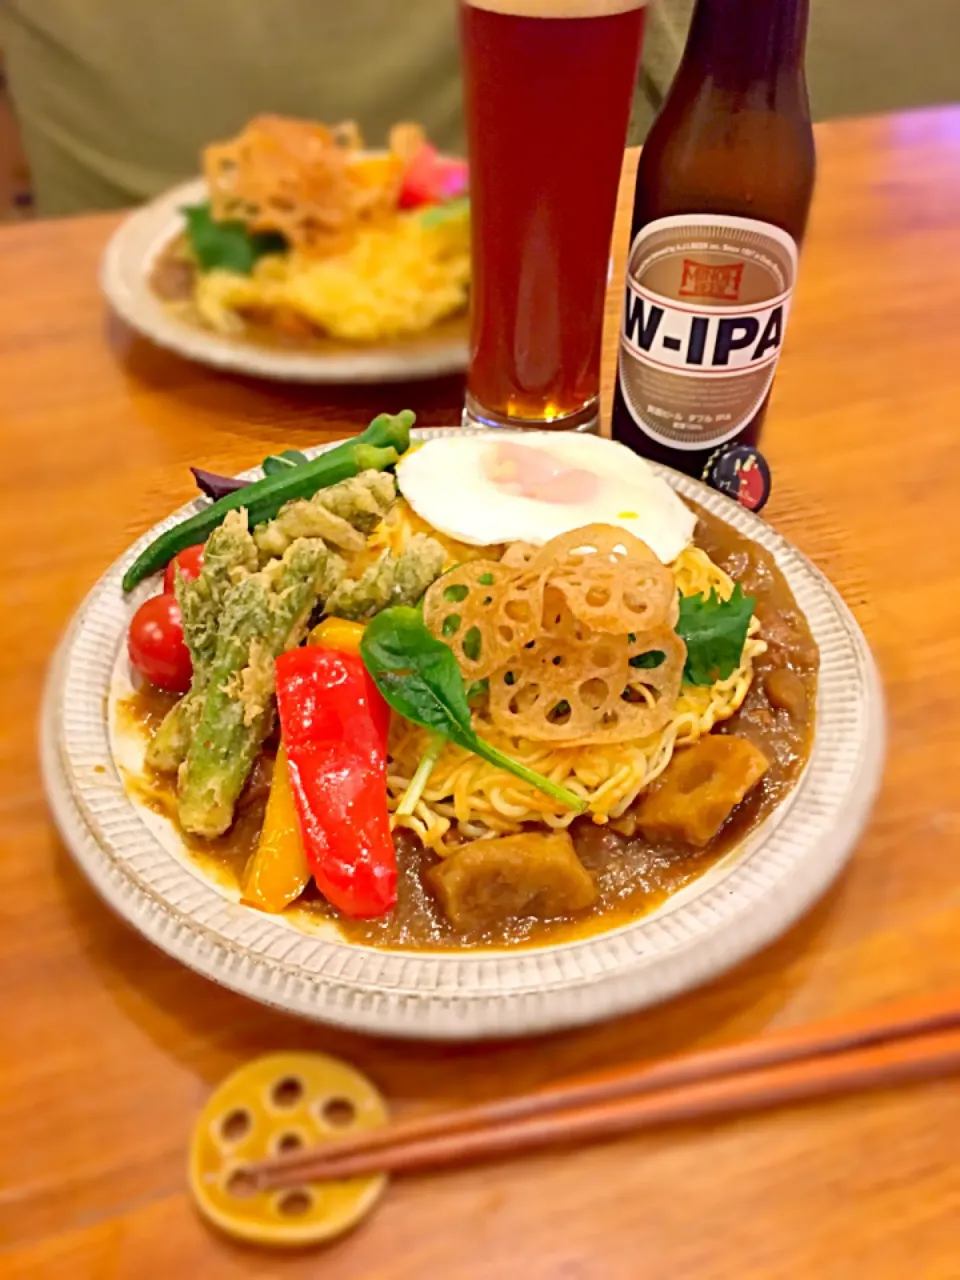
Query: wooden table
109, 1048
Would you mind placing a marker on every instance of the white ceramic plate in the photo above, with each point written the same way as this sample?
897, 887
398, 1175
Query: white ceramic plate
124, 277
742, 903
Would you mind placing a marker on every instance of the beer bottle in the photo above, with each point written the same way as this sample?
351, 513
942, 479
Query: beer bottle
723, 190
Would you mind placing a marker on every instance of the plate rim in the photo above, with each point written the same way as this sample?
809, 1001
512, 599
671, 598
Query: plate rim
124, 268
461, 1000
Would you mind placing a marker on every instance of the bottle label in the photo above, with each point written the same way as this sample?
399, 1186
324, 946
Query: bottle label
706, 307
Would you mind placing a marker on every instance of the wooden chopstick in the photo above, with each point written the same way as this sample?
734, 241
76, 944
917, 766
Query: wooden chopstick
824, 1039
879, 1065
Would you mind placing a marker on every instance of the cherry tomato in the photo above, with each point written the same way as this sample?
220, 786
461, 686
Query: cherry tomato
189, 562
432, 178
155, 644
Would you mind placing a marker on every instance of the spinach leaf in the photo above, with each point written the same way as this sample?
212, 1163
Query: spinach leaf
714, 631
227, 245
420, 680
479, 689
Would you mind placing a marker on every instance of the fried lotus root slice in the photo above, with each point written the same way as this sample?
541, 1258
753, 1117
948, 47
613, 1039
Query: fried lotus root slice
651, 692
563, 688
518, 555
286, 175
534, 698
607, 542
652, 682
611, 580
485, 611
700, 788
530, 874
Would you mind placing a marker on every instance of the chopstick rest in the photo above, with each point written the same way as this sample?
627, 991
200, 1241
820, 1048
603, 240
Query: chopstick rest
269, 1162
278, 1104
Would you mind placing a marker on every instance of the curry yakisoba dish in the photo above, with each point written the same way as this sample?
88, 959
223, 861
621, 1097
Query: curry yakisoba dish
306, 236
487, 690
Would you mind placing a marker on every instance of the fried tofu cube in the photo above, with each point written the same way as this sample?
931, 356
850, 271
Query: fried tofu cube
530, 874
700, 788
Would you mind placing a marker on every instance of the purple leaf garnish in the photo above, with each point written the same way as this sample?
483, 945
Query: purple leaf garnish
215, 486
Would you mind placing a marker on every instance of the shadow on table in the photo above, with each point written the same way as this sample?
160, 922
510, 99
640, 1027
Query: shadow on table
212, 1030
208, 392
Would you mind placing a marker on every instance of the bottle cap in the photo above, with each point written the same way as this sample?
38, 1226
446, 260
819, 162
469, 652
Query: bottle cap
741, 472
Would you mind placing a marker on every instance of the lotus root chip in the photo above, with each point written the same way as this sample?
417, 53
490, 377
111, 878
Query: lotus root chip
297, 177
518, 555
608, 700
604, 541
563, 684
485, 611
611, 580
652, 692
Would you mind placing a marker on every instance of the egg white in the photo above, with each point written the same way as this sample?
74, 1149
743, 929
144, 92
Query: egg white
446, 483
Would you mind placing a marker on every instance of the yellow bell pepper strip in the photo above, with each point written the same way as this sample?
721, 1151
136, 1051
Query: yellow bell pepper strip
277, 873
335, 725
338, 633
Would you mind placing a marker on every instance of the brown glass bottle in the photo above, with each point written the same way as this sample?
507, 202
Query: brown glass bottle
722, 196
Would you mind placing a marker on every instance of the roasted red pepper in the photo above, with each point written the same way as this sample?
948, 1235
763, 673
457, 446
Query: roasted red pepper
334, 725
432, 178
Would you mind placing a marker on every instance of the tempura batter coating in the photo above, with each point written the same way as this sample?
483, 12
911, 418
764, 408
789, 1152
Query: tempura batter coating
229, 555
342, 515
390, 580
263, 616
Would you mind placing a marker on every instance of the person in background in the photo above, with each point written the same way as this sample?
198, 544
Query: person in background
116, 98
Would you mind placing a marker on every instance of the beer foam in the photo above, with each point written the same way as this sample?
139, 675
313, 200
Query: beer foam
558, 8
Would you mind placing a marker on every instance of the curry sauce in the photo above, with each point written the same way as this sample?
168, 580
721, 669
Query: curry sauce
633, 875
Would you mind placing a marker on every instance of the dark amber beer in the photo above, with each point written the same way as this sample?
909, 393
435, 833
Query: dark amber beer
723, 190
549, 85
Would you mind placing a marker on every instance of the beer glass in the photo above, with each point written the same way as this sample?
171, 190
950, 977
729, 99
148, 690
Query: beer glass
548, 86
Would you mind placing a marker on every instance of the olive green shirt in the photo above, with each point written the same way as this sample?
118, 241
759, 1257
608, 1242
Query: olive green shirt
116, 98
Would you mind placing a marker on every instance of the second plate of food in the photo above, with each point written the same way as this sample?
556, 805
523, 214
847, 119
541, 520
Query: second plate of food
521, 734
304, 257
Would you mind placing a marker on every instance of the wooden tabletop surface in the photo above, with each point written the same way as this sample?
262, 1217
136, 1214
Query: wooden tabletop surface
108, 1048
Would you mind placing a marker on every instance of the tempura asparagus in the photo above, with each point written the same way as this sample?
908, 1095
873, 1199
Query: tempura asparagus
392, 579
342, 515
264, 615
228, 556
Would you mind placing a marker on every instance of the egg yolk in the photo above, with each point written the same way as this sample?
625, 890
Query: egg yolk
524, 472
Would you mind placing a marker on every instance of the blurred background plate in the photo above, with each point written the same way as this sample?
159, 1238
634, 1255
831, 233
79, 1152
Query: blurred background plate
125, 275
742, 903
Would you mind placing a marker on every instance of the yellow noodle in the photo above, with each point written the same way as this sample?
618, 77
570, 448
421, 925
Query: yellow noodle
478, 799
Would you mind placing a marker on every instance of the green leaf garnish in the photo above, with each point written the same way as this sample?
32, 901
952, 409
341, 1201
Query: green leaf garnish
283, 461
419, 677
227, 246
446, 212
714, 632
479, 689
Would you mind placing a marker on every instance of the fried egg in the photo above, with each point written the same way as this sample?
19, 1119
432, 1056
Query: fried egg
489, 489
